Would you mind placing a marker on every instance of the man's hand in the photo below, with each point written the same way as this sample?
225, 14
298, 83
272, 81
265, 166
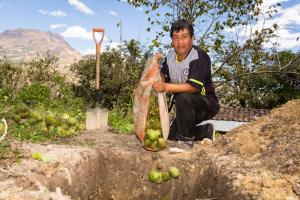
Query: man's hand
159, 86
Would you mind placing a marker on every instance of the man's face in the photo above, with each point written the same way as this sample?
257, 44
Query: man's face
182, 41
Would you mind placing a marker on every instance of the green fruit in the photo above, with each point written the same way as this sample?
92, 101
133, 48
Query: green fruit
165, 176
154, 146
20, 109
52, 129
161, 143
147, 142
155, 176
41, 126
37, 156
65, 126
50, 119
72, 121
61, 131
37, 115
153, 134
174, 172
81, 127
65, 116
25, 114
71, 131
32, 121
17, 118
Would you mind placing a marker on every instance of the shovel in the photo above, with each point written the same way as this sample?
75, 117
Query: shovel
97, 118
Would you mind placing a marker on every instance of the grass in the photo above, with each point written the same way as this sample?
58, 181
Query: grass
122, 123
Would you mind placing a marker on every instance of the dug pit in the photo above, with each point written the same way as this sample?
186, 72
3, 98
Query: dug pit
243, 164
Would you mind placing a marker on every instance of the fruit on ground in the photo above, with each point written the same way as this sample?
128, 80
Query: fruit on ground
17, 118
81, 127
37, 116
155, 176
165, 176
50, 119
174, 172
72, 121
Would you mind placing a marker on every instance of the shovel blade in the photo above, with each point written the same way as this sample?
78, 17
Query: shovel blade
96, 119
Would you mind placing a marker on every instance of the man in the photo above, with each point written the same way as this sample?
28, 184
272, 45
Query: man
187, 71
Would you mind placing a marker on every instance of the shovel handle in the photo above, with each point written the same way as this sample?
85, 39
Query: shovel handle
98, 30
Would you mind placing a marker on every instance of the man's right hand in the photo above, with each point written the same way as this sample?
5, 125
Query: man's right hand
160, 86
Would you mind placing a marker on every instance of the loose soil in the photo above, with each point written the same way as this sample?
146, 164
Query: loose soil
260, 160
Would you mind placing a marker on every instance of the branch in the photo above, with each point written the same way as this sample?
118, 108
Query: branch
262, 72
287, 65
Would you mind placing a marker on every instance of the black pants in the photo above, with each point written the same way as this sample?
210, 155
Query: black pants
191, 109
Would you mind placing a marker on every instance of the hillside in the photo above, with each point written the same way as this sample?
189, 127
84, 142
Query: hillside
24, 44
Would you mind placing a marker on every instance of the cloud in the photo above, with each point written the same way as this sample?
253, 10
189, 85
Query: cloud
81, 7
268, 3
55, 13
140, 8
55, 26
288, 20
77, 32
287, 40
113, 13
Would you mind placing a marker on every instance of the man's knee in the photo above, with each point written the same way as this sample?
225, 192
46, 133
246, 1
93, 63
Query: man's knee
183, 98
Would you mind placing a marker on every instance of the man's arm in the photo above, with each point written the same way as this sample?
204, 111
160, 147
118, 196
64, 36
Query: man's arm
160, 86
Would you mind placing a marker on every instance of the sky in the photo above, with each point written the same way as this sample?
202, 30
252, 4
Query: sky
74, 20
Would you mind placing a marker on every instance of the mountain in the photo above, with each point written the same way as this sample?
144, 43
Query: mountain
24, 44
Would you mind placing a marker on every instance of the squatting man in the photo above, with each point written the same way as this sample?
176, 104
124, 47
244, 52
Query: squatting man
187, 72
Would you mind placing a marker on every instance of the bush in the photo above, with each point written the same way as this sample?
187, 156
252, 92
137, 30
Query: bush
121, 122
33, 94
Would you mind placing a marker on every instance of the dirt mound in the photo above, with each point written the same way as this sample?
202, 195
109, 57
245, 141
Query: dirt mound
274, 139
270, 147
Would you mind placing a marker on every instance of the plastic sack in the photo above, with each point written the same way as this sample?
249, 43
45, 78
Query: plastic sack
142, 93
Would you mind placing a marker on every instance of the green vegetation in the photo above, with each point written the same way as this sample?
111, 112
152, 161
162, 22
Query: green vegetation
120, 121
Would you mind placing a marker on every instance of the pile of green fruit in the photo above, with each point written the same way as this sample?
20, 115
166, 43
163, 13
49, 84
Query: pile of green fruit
157, 176
48, 122
154, 140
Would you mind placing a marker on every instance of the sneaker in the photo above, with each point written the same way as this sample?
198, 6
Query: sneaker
210, 134
205, 131
185, 142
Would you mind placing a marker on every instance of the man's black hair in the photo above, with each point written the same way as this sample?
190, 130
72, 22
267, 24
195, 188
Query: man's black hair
180, 25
